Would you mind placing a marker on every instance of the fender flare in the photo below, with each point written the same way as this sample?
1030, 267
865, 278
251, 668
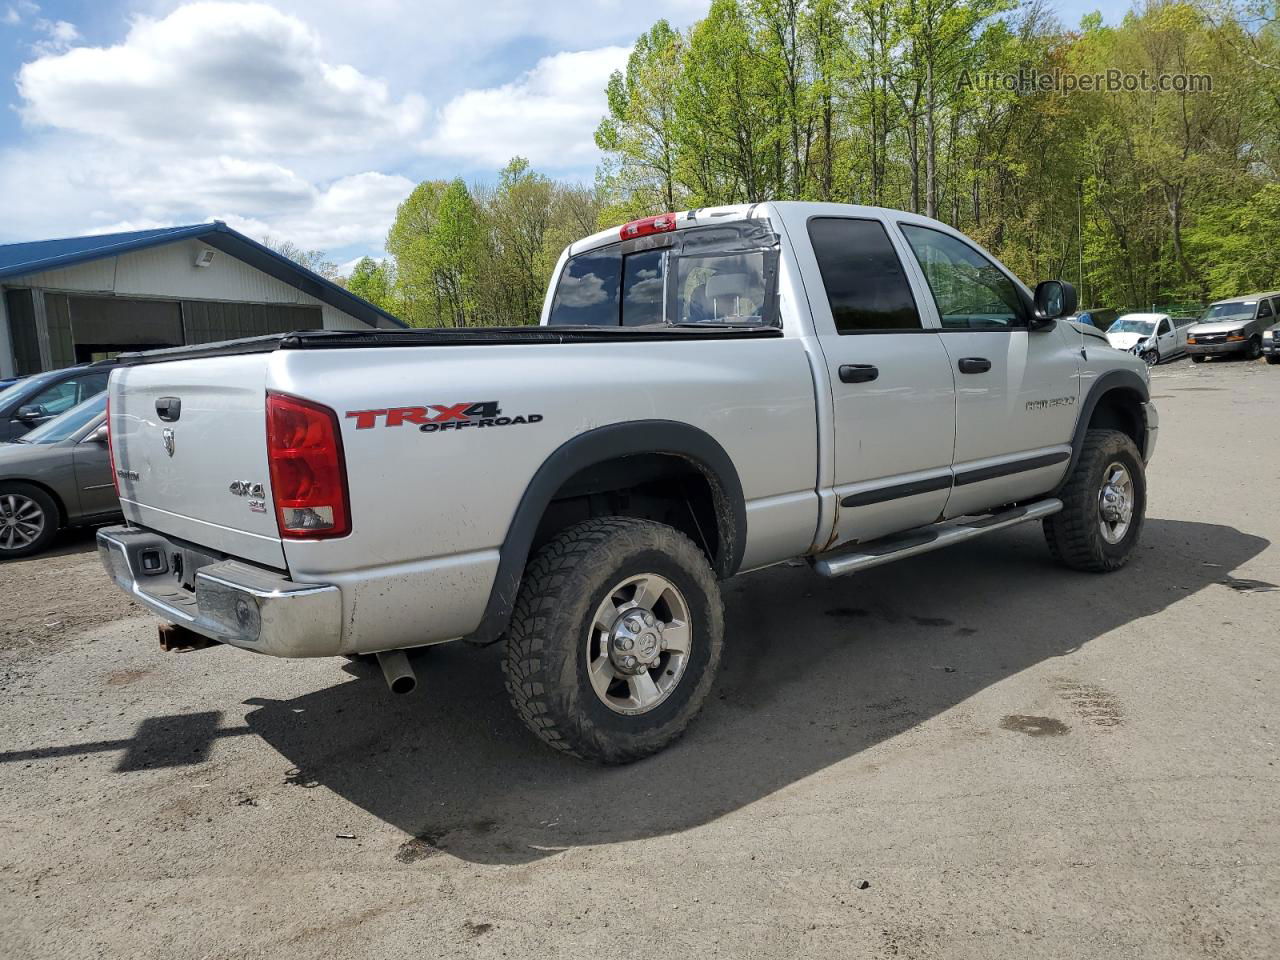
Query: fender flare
1109, 382
599, 445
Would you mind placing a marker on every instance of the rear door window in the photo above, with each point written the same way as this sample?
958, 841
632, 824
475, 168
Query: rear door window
863, 277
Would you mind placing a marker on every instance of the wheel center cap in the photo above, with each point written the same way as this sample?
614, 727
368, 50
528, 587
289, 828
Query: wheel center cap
635, 641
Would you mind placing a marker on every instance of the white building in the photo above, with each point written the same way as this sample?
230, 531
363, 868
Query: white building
70, 301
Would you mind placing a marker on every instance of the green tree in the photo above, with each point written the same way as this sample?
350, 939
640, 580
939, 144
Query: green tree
375, 281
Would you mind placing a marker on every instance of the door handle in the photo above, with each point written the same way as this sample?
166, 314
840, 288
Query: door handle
858, 372
974, 365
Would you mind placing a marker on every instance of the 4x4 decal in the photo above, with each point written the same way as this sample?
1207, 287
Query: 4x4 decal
435, 417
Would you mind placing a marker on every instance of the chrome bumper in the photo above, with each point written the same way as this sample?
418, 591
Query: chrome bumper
233, 602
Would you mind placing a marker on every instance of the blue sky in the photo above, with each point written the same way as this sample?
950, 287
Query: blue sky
307, 120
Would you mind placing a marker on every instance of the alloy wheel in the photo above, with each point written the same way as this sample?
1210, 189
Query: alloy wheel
638, 644
22, 521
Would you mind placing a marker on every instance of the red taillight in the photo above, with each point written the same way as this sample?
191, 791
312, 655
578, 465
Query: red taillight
111, 456
308, 470
663, 223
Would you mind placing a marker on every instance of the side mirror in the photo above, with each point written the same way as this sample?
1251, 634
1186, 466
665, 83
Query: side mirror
98, 436
32, 411
1054, 299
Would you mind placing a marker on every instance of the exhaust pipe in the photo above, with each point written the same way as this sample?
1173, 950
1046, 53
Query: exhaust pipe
178, 639
399, 674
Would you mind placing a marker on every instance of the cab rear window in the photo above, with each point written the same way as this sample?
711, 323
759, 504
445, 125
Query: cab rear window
713, 275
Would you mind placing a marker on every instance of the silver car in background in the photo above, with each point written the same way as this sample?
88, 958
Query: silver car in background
58, 475
1233, 327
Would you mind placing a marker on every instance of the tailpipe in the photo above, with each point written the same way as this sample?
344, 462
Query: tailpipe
399, 674
178, 639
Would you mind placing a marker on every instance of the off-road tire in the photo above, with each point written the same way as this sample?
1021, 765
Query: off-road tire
545, 663
1073, 534
52, 518
1198, 358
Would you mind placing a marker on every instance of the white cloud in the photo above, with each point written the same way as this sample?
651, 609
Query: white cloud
59, 36
549, 115
239, 77
15, 12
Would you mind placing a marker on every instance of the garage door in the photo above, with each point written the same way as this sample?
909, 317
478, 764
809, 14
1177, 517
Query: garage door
206, 321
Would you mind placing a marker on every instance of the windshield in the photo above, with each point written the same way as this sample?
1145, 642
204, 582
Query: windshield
13, 392
67, 425
1125, 325
1230, 311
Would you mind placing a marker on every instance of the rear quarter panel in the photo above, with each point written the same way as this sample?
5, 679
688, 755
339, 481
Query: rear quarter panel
431, 510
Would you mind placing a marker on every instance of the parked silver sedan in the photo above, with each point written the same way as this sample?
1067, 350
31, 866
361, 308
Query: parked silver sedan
58, 475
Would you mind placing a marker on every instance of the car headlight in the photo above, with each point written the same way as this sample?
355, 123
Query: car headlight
1236, 335
1268, 334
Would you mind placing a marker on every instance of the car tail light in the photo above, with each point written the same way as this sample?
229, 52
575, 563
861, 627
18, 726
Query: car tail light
663, 223
308, 469
111, 454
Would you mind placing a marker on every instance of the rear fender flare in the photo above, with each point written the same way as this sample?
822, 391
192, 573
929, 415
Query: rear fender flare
669, 437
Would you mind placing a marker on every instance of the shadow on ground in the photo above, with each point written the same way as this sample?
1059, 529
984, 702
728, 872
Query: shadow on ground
815, 672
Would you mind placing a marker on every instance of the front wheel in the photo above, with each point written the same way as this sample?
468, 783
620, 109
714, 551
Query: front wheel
615, 639
1151, 357
1104, 504
1197, 358
1273, 359
1255, 348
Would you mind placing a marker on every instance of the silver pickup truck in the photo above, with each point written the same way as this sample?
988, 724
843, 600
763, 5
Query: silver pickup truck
709, 392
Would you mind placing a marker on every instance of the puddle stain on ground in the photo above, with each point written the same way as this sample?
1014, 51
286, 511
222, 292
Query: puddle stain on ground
1096, 705
1034, 726
932, 622
122, 678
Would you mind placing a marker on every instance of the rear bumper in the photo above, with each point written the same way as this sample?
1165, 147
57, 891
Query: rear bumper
232, 602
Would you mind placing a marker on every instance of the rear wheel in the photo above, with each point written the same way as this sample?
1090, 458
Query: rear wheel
1103, 505
615, 639
28, 520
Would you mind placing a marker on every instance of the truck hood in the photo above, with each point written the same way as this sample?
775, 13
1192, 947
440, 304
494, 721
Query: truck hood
1218, 326
1126, 341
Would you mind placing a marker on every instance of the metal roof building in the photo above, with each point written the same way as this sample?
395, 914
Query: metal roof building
82, 298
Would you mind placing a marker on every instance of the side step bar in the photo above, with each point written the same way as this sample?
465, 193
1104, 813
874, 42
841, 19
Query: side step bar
926, 539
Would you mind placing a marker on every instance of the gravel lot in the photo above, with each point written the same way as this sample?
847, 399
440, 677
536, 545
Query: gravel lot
1018, 761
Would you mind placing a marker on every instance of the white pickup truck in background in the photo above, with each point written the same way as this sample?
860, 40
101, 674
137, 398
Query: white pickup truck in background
709, 392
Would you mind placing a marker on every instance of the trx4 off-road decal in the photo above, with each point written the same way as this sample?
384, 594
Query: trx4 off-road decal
435, 417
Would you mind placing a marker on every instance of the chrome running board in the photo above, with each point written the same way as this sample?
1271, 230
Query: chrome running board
864, 556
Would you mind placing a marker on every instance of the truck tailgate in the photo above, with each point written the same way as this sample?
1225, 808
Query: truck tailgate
190, 448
